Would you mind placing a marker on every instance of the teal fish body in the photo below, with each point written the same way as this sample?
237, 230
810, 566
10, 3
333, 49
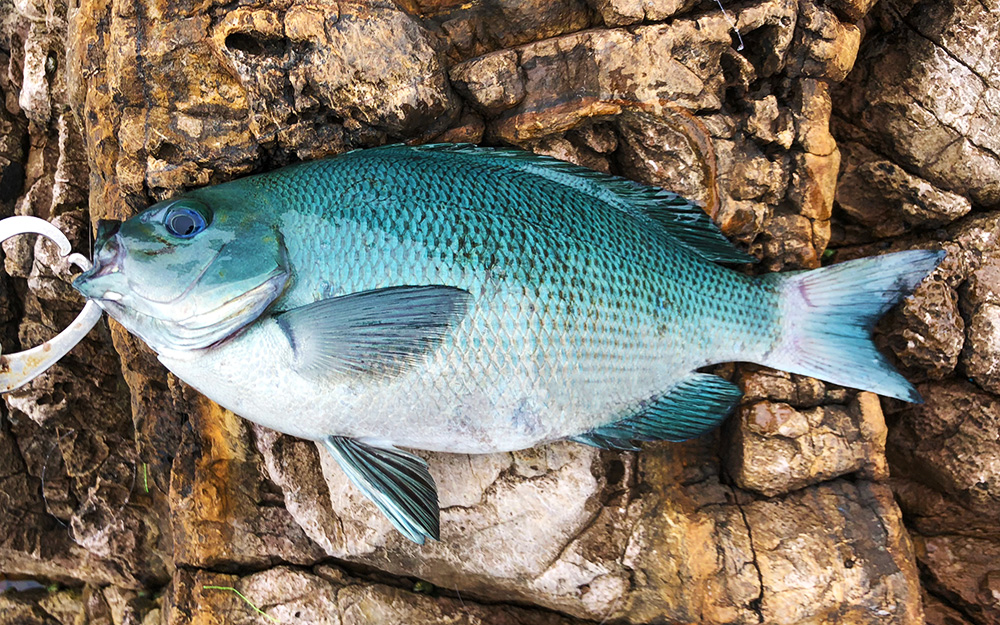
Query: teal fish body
462, 299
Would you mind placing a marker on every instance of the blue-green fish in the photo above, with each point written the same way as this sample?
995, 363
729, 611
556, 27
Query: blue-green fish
463, 299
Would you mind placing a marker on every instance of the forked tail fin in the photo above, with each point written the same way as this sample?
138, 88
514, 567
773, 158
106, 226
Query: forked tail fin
827, 317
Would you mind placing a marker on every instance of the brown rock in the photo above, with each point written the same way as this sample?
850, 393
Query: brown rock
625, 539
39, 608
565, 149
790, 539
886, 200
923, 94
316, 59
964, 570
218, 498
678, 146
813, 182
789, 242
828, 46
176, 95
769, 123
493, 83
623, 12
776, 448
812, 119
952, 443
852, 10
326, 596
682, 61
468, 129
927, 331
476, 28
600, 137
937, 612
759, 383
980, 299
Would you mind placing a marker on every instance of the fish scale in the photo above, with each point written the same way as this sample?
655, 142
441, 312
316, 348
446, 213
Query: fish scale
462, 299
463, 225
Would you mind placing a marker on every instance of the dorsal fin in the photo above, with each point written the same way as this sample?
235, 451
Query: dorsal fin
682, 219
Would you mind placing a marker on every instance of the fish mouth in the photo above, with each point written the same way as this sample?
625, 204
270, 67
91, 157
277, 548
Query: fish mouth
103, 281
201, 330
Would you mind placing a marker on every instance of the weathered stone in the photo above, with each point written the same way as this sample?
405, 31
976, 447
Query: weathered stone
788, 242
566, 150
886, 200
469, 128
623, 12
599, 137
178, 95
828, 47
40, 608
812, 187
476, 28
621, 540
326, 596
869, 565
760, 383
965, 570
952, 443
493, 83
852, 10
927, 332
812, 117
129, 607
980, 299
937, 612
769, 123
333, 62
53, 605
672, 150
970, 243
776, 448
218, 497
926, 95
679, 64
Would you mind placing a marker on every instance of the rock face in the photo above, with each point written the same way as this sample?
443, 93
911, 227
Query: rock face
913, 118
135, 500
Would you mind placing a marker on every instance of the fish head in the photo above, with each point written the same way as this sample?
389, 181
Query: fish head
189, 272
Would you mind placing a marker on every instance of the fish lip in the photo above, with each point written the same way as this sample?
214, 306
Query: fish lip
108, 261
188, 334
105, 264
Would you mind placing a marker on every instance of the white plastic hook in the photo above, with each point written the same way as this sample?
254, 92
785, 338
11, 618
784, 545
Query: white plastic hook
18, 369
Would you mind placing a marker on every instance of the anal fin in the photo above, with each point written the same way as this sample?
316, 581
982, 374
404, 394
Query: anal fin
398, 482
690, 409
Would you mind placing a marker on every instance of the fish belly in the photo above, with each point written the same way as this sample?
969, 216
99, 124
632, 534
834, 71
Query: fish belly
514, 373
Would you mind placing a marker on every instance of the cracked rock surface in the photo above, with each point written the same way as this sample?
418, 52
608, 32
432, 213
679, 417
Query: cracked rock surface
917, 119
126, 497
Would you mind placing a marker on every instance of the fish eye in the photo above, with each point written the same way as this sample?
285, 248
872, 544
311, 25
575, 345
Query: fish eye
184, 220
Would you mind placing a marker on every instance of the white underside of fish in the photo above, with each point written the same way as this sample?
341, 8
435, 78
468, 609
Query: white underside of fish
460, 399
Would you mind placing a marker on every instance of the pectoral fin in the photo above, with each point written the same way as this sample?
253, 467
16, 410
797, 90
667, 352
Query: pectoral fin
690, 409
396, 481
383, 331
